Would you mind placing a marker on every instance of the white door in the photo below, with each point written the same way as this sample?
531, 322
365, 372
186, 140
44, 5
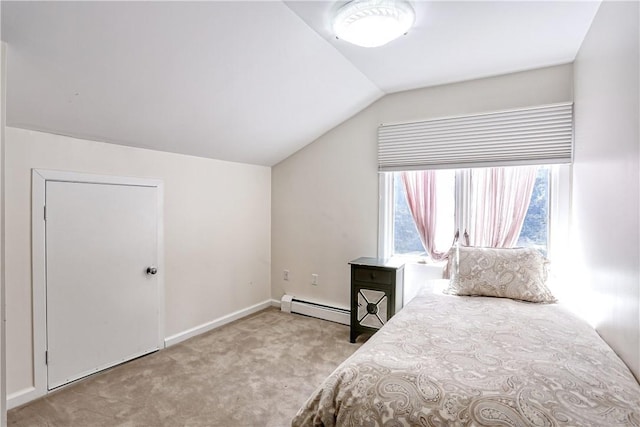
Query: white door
102, 305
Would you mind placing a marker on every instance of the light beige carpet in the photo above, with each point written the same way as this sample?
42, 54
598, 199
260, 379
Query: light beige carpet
256, 371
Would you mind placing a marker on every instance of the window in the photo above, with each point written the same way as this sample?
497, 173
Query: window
458, 197
406, 239
535, 230
500, 142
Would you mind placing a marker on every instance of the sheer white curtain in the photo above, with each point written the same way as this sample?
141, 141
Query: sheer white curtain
498, 202
420, 187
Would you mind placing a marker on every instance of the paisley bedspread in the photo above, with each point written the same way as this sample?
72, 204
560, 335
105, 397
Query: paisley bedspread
478, 361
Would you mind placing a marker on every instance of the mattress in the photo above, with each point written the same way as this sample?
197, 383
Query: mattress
478, 361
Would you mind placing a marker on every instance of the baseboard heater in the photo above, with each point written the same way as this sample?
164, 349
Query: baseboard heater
290, 304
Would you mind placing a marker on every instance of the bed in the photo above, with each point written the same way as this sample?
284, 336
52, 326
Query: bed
448, 360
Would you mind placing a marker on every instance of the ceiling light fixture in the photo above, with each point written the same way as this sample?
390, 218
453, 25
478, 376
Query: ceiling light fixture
373, 23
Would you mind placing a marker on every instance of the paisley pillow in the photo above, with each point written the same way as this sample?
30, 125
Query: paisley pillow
516, 273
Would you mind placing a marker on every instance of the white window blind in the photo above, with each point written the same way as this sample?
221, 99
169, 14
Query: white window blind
535, 135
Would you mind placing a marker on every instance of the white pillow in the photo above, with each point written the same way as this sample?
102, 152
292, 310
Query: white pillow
516, 273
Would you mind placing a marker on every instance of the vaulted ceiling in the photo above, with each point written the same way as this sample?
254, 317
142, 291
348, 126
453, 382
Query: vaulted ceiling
251, 81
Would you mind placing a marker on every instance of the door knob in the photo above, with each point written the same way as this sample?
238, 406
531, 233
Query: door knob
152, 270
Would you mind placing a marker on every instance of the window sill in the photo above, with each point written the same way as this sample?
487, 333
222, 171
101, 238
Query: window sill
418, 259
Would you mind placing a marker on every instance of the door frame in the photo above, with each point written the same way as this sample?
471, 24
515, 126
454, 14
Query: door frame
38, 261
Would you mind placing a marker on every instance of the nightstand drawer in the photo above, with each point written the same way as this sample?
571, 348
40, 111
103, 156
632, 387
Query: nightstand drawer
371, 275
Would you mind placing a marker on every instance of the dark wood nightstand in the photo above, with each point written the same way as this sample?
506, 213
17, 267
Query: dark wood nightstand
376, 293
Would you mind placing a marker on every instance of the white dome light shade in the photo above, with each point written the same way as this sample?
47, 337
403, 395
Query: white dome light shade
373, 23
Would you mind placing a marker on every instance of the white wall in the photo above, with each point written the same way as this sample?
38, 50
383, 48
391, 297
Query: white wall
325, 197
606, 186
217, 232
3, 371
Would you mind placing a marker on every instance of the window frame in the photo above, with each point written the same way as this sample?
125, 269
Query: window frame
559, 211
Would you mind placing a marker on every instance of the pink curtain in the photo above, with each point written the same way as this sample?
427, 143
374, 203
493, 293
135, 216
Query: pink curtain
499, 200
420, 187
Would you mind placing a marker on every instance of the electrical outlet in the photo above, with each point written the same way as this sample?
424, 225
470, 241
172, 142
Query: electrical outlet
285, 275
314, 279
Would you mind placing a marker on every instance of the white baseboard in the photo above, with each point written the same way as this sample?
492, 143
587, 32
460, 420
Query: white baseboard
189, 333
275, 303
21, 397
